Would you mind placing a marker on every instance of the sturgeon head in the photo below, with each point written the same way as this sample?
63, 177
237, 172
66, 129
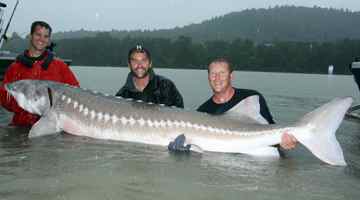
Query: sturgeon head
37, 97
32, 95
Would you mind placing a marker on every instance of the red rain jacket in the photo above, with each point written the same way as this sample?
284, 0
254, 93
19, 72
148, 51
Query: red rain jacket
56, 71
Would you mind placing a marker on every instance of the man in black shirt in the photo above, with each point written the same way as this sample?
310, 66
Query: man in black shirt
239, 94
225, 96
143, 84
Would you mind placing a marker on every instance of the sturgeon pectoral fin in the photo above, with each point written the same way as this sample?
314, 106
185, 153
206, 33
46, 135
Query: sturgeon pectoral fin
247, 111
45, 126
179, 145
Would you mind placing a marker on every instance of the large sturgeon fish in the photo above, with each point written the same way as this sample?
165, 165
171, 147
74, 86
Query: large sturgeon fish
241, 130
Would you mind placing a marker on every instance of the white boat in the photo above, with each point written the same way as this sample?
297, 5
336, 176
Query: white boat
6, 57
331, 69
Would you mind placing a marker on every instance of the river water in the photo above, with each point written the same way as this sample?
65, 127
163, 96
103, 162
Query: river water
68, 167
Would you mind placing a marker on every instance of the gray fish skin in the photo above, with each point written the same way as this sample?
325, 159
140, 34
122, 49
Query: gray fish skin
242, 130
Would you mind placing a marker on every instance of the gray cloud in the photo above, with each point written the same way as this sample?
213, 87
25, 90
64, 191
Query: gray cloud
69, 15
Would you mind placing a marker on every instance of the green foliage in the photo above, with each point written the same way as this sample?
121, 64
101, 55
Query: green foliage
282, 39
284, 23
279, 56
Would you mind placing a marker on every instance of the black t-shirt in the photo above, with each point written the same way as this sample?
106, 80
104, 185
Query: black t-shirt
216, 109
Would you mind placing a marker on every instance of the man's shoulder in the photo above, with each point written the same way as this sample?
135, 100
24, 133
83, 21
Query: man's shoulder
59, 61
14, 64
127, 88
249, 91
163, 79
15, 67
124, 91
164, 83
204, 107
241, 92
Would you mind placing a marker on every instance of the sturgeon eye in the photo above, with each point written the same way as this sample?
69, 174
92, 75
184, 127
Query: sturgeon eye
37, 95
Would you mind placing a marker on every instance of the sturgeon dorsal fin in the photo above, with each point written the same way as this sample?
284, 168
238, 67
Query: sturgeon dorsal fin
247, 111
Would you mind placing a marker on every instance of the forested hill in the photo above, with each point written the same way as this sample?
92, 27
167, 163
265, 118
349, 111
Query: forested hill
285, 23
281, 39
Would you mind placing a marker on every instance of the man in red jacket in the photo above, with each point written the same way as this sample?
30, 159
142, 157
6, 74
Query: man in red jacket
35, 63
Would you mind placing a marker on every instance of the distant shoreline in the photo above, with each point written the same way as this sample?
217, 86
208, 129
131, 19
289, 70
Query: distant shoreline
199, 68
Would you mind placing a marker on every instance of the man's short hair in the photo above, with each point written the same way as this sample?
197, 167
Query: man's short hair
139, 49
223, 60
41, 24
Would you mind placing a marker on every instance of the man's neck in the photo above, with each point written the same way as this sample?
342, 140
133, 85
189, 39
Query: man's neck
141, 83
224, 96
34, 53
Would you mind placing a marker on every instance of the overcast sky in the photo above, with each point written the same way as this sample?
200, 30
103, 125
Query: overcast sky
67, 15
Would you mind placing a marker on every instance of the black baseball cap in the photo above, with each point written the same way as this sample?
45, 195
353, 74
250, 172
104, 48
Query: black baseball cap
139, 49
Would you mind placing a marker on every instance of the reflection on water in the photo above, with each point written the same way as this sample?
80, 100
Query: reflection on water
68, 167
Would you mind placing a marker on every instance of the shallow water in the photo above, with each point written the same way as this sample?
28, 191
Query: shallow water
69, 167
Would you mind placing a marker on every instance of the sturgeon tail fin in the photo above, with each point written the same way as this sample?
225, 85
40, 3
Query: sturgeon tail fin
320, 126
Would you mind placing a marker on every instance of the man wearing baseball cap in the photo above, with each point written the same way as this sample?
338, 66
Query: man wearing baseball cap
143, 84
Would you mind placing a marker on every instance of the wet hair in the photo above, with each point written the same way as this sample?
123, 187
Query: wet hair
139, 49
41, 24
223, 60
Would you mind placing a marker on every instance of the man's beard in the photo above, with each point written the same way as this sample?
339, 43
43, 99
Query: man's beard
142, 75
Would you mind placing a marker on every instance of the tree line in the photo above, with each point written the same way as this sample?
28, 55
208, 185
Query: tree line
284, 23
276, 56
